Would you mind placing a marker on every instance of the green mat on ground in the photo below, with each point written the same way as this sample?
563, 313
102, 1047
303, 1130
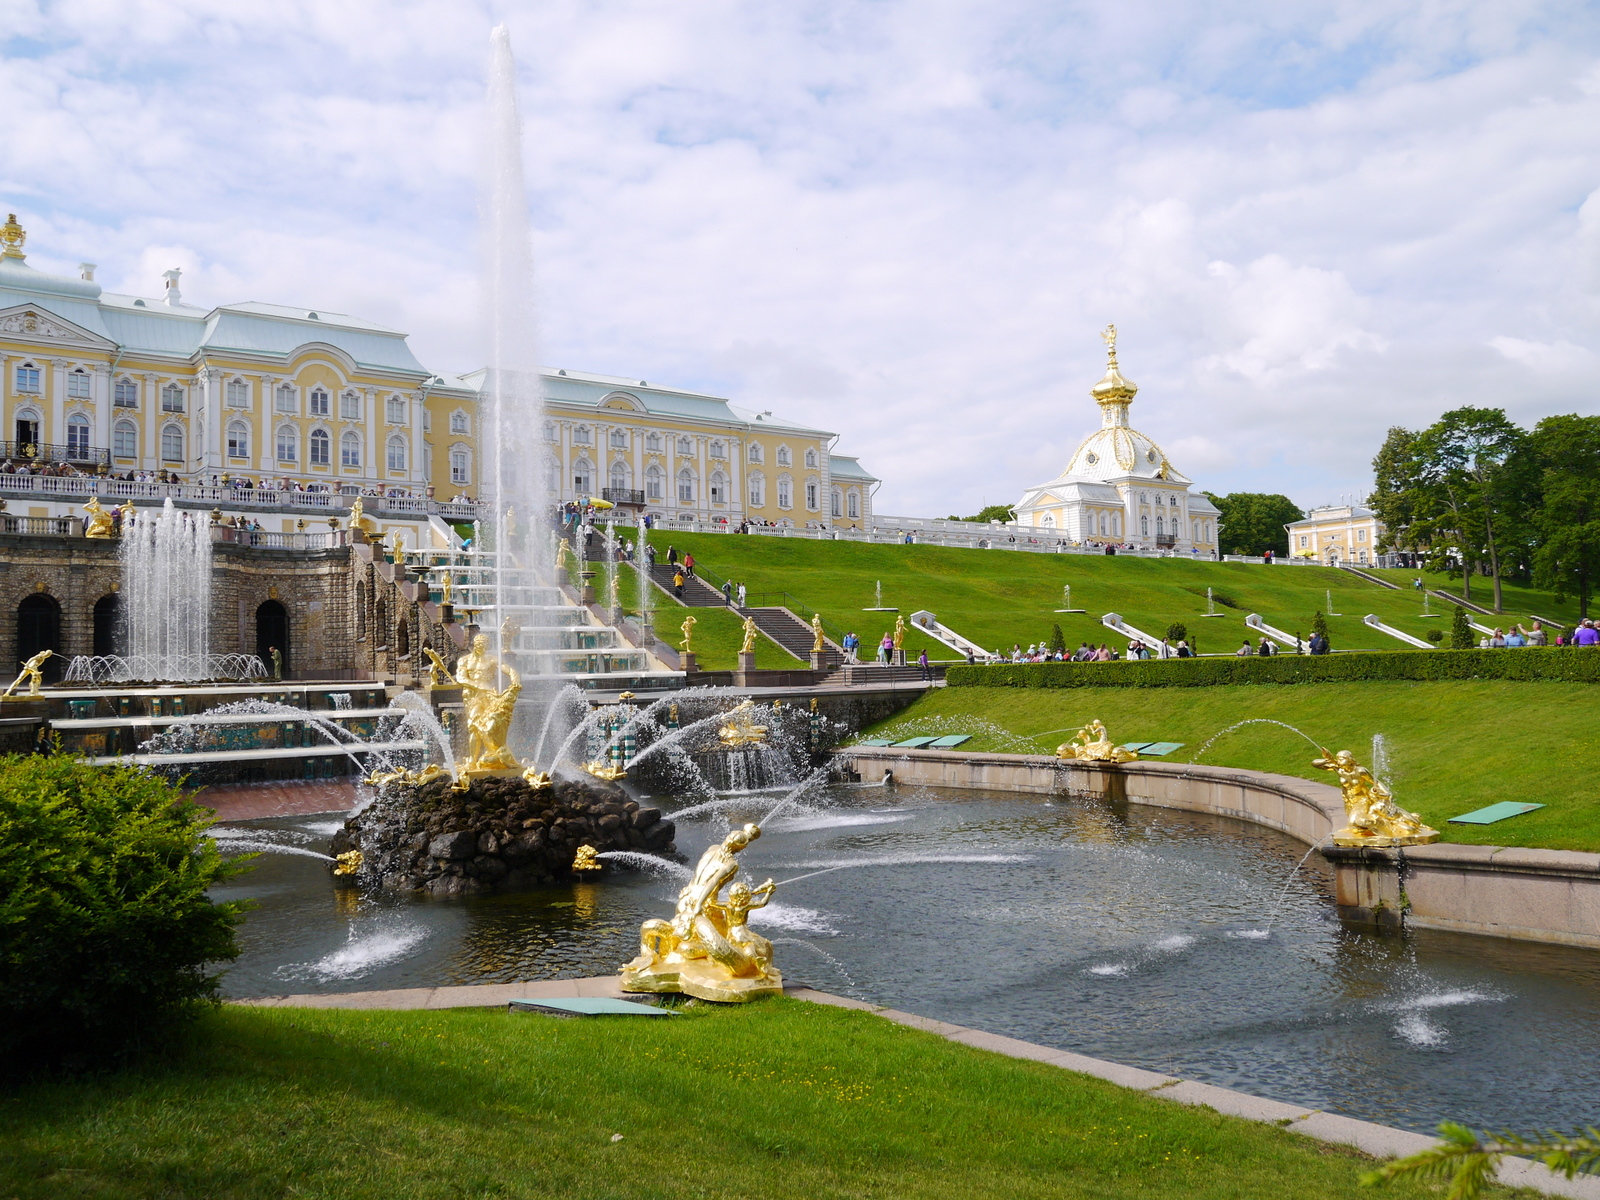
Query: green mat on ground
876, 742
1495, 812
949, 741
592, 1006
916, 743
1155, 748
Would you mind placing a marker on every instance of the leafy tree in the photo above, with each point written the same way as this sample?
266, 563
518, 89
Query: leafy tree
993, 512
1461, 630
1567, 555
1177, 632
1253, 522
1468, 1160
1435, 636
1393, 499
1058, 640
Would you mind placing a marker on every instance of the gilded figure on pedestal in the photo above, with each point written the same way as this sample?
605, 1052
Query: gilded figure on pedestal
1093, 744
1372, 818
488, 709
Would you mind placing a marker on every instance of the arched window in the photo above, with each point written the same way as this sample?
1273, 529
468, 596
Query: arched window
77, 437
619, 474
581, 436
619, 439
811, 456
125, 394
811, 494
719, 488
172, 444
172, 398
395, 410
1144, 526
685, 447
125, 440
350, 405
855, 504
350, 449
238, 394
1105, 528
77, 384
238, 440
28, 378
397, 453
319, 402
460, 424
754, 452
686, 486
287, 401
288, 444
758, 490
1161, 526
783, 456
583, 476
718, 449
549, 431
321, 448
652, 482
1049, 522
652, 441
838, 503
460, 466
785, 492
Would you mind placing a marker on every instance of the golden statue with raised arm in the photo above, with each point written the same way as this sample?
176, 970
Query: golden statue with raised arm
750, 632
819, 640
438, 673
1372, 818
707, 949
1093, 744
688, 625
100, 524
33, 672
899, 633
360, 520
488, 708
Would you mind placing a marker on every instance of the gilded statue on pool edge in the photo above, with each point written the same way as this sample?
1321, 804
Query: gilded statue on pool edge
1371, 815
707, 950
1093, 744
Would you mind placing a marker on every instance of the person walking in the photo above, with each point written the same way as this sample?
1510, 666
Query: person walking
1586, 635
672, 555
927, 671
1265, 650
727, 592
677, 583
741, 595
649, 555
850, 644
886, 650
1244, 651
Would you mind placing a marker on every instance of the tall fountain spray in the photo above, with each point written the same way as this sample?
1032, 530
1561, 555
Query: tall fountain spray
166, 574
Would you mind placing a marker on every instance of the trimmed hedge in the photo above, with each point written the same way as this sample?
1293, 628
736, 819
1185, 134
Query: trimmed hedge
1567, 664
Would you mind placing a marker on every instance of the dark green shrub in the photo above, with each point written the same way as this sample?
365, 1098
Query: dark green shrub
1461, 630
106, 930
1436, 636
1319, 624
1177, 632
1532, 664
1058, 640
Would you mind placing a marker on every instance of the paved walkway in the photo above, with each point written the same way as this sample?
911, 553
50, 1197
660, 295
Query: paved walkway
252, 801
1380, 1141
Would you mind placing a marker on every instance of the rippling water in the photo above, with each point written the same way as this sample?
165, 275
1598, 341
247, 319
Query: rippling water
1129, 933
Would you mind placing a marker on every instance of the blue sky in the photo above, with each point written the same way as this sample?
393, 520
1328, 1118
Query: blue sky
904, 221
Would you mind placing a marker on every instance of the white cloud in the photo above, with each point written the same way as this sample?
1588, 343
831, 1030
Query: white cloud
901, 220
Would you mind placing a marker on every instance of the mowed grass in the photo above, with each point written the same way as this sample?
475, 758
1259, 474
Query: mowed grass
781, 1099
1453, 747
999, 597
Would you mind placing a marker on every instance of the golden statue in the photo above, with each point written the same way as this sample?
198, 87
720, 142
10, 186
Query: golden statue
688, 625
428, 774
347, 863
511, 523
100, 523
32, 672
1093, 744
360, 520
740, 729
899, 633
438, 673
449, 580
707, 950
536, 780
819, 640
586, 860
397, 543
563, 552
750, 632
489, 709
1374, 819
616, 588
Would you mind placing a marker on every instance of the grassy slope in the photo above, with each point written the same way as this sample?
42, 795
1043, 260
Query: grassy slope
999, 597
1453, 747
781, 1099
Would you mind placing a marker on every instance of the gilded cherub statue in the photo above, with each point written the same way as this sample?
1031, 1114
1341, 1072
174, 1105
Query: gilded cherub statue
100, 524
33, 672
750, 632
1371, 815
819, 640
707, 949
1093, 744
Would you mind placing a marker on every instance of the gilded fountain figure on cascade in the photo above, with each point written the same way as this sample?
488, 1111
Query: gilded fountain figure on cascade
489, 709
707, 950
1093, 744
1371, 815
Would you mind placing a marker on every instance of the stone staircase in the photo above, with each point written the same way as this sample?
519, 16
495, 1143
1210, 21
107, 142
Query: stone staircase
697, 593
790, 632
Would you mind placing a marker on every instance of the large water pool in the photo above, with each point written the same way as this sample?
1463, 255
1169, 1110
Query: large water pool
1127, 933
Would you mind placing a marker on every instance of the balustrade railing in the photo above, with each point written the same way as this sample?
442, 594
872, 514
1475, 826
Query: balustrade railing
263, 539
118, 490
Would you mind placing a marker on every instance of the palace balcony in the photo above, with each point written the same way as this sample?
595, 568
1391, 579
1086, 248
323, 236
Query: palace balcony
44, 452
625, 496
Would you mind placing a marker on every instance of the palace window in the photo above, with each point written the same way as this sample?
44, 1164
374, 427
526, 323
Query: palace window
1105, 527
459, 422
77, 436
125, 440
320, 404
652, 483
395, 410
855, 504
125, 394
172, 444
397, 453
321, 448
783, 456
460, 469
78, 385
718, 449
1302, 539
172, 398
619, 439
238, 440
685, 447
685, 486
719, 488
811, 457
1050, 521
755, 452
583, 476
758, 491
28, 378
549, 431
811, 496
288, 444
619, 475
238, 393
1361, 535
652, 442
287, 401
350, 449
350, 406
1144, 526
837, 503
785, 499
580, 436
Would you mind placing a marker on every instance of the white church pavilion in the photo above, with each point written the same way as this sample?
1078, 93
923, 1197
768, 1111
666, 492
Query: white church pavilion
1119, 488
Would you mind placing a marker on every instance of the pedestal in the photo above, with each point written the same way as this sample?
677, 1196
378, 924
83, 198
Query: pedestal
747, 661
689, 665
563, 576
819, 660
898, 658
447, 614
586, 595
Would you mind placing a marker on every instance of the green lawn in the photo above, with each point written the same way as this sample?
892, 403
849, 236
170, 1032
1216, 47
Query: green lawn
1000, 597
781, 1099
1453, 747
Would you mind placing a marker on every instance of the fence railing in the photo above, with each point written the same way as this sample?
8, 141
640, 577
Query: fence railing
263, 539
47, 452
40, 526
75, 486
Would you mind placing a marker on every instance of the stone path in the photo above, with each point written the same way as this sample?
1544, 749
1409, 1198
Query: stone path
1380, 1141
251, 801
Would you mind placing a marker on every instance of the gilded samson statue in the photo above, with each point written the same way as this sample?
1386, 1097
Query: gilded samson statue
488, 708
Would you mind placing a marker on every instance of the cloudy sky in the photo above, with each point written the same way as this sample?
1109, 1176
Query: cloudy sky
904, 220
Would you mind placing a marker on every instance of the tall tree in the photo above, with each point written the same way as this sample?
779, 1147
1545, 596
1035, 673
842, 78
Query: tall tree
1253, 522
1567, 556
1396, 476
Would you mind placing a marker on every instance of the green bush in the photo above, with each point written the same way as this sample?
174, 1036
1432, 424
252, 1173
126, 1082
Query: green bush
1461, 630
1530, 664
1435, 636
1177, 632
106, 930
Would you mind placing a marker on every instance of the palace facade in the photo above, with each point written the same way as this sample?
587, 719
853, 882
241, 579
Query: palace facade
1119, 487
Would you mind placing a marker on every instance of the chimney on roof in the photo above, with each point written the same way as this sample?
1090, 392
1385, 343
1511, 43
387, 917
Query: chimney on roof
86, 272
174, 296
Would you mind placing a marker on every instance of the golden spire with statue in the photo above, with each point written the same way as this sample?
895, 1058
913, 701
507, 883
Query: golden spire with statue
1372, 818
707, 950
